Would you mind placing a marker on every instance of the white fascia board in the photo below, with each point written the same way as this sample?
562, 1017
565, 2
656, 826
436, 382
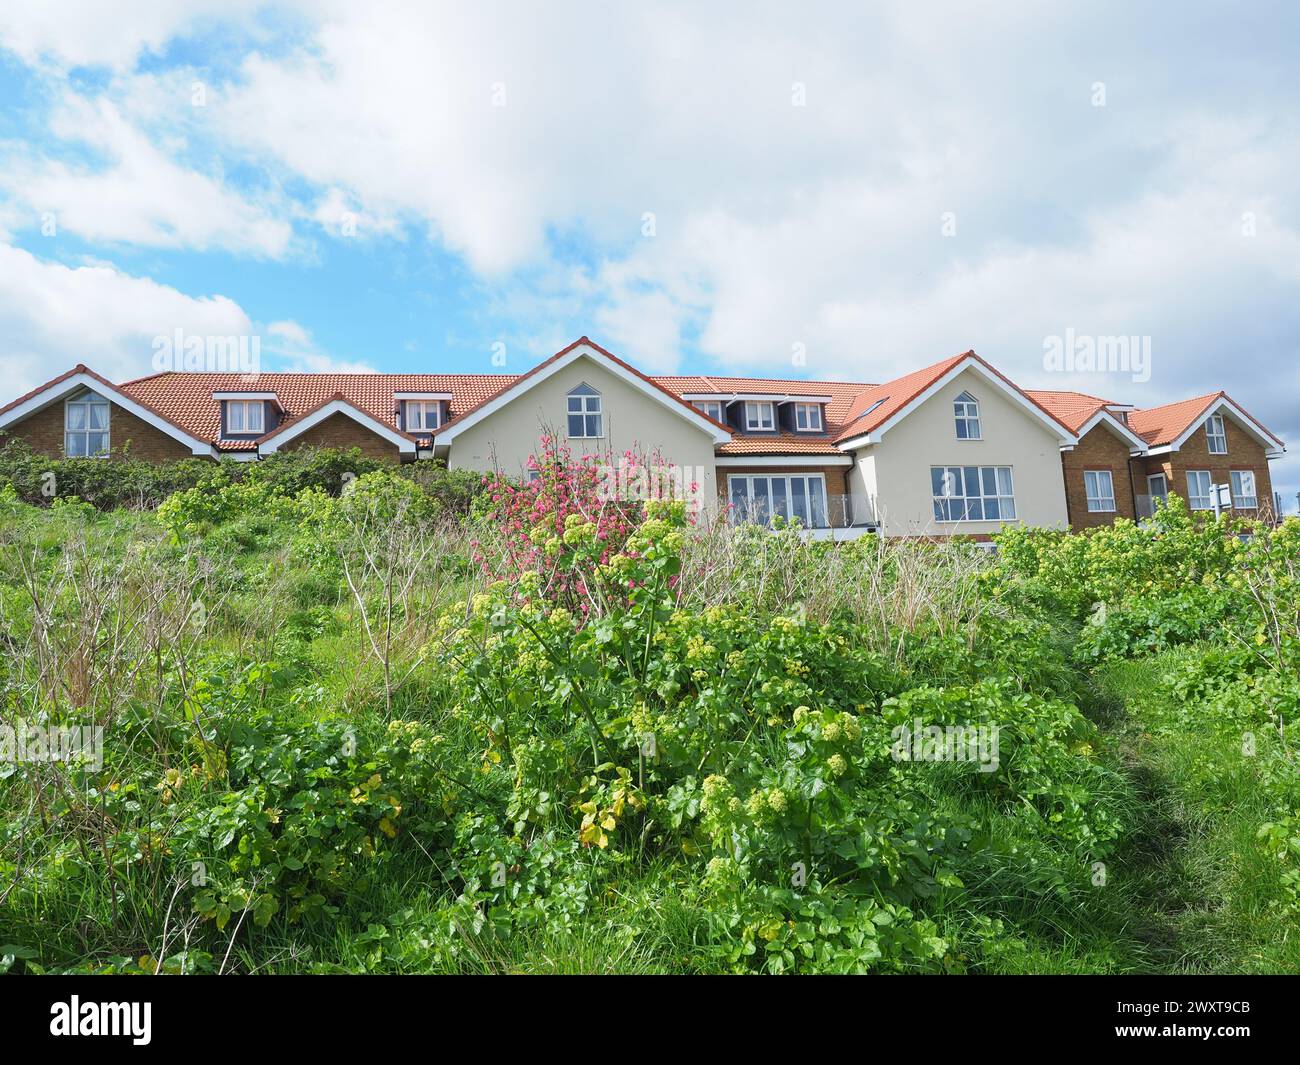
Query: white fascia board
79, 381
1138, 445
765, 397
1063, 435
422, 395
246, 395
727, 461
855, 442
453, 430
337, 406
1223, 403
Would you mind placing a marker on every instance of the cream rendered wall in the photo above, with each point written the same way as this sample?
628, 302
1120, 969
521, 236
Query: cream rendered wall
504, 439
927, 437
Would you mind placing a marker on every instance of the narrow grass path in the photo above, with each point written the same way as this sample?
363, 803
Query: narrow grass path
1199, 889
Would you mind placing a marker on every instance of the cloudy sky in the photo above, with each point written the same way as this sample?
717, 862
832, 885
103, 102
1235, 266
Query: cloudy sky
830, 190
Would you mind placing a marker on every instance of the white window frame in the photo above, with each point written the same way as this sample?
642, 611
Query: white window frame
1240, 499
584, 405
953, 487
84, 401
808, 417
422, 408
1195, 500
814, 495
714, 408
1100, 496
1216, 431
244, 406
755, 422
1164, 485
966, 414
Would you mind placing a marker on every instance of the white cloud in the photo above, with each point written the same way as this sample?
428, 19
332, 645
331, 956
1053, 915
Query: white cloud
92, 33
294, 350
143, 195
54, 316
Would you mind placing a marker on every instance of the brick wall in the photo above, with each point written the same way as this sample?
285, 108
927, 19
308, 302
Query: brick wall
340, 431
836, 483
1243, 454
129, 437
1099, 450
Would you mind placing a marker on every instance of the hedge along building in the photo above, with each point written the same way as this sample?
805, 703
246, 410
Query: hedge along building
953, 448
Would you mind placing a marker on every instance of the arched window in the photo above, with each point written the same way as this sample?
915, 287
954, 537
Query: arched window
586, 421
966, 409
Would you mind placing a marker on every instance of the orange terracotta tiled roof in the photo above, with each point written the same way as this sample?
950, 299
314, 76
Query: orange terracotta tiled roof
872, 408
186, 398
1072, 408
1163, 425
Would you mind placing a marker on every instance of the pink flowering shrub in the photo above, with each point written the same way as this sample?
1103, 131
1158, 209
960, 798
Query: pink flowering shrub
569, 521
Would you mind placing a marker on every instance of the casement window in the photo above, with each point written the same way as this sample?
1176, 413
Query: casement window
795, 497
245, 416
586, 418
966, 410
808, 417
1243, 490
1215, 437
1199, 490
422, 414
85, 426
972, 493
714, 408
1099, 487
760, 417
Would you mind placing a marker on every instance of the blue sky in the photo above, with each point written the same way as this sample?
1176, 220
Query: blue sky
822, 190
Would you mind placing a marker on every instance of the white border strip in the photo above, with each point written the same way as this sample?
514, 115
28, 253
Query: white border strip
336, 406
55, 392
582, 351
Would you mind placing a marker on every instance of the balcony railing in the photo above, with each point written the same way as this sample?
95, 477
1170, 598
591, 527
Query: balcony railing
838, 512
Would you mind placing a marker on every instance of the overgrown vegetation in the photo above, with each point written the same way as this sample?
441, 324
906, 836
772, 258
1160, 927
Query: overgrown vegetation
454, 727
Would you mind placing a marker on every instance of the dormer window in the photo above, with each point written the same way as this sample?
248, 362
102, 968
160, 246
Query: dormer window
714, 408
245, 417
422, 415
760, 417
1215, 435
808, 417
586, 418
966, 410
85, 426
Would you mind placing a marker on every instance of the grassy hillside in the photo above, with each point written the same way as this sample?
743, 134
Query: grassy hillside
447, 727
